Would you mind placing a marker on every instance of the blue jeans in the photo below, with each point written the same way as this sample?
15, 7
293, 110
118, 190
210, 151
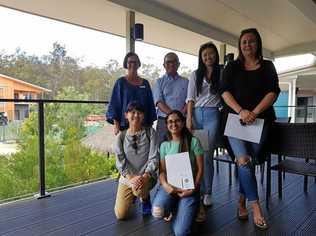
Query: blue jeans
247, 177
208, 118
185, 210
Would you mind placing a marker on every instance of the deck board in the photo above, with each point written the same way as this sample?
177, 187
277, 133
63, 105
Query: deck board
88, 210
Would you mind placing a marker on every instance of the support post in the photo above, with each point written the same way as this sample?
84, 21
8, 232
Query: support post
222, 53
130, 22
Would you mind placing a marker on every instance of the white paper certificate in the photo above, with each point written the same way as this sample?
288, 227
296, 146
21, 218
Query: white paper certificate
179, 171
202, 135
250, 133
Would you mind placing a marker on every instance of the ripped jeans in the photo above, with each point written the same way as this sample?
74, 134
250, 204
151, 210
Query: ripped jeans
246, 172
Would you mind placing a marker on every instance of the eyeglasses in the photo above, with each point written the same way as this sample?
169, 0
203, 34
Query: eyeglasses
174, 121
134, 143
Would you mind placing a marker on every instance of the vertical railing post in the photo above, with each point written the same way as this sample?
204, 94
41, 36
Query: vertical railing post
305, 114
41, 135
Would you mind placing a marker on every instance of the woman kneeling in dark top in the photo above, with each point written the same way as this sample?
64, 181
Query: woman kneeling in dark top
250, 87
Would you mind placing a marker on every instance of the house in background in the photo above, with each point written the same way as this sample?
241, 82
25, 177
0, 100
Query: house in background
298, 89
18, 89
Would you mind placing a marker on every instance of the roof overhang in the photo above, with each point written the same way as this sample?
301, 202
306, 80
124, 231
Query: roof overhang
287, 27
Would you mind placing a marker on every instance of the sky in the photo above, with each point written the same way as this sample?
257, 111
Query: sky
35, 35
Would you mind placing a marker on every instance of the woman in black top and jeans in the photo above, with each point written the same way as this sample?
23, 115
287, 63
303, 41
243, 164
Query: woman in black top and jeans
249, 88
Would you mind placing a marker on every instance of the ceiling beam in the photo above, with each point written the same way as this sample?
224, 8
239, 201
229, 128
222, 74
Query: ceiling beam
297, 49
172, 16
307, 7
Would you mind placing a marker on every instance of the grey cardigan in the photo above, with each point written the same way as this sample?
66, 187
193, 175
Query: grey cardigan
140, 160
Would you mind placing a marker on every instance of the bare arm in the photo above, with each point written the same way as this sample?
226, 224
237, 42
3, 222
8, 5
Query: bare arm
189, 123
199, 173
184, 109
245, 115
116, 128
231, 102
265, 103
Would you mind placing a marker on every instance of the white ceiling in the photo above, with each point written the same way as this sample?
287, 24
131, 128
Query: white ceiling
287, 26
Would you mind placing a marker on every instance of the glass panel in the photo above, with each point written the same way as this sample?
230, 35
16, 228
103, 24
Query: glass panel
78, 144
18, 152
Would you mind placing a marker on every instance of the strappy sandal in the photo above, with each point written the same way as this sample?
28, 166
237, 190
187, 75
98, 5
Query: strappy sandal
201, 215
241, 216
261, 225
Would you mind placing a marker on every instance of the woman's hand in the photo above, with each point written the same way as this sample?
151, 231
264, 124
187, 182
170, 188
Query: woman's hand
251, 118
137, 182
247, 116
170, 189
116, 127
185, 192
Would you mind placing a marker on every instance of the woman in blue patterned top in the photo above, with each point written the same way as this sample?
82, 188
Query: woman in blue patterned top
130, 88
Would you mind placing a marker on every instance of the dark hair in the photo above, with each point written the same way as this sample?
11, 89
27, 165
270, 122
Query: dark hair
169, 54
255, 32
135, 105
201, 71
186, 136
130, 54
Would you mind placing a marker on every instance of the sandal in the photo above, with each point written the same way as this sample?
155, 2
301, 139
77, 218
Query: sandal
168, 218
201, 215
260, 224
241, 216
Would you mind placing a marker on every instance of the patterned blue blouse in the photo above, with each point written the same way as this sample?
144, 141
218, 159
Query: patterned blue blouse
125, 92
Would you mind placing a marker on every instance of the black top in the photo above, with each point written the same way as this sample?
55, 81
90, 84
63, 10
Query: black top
249, 87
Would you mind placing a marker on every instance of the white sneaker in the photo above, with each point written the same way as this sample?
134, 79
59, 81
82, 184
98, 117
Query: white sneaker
207, 200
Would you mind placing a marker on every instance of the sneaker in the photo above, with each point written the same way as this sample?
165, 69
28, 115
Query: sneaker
146, 207
207, 200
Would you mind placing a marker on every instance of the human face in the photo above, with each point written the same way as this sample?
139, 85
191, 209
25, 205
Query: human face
248, 44
174, 124
171, 64
208, 57
135, 118
132, 63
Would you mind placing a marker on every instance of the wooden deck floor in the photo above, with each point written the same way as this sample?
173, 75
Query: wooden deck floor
88, 210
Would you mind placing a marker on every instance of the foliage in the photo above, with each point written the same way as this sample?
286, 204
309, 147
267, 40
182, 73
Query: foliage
57, 70
67, 160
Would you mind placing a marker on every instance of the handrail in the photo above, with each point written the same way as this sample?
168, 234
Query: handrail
41, 125
50, 101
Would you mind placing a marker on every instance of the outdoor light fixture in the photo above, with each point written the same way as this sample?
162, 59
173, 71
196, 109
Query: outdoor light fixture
138, 34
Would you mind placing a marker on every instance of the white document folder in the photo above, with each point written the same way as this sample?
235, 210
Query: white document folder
251, 133
179, 171
202, 135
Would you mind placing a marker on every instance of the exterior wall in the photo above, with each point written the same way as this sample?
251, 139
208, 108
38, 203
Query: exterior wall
283, 100
13, 89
